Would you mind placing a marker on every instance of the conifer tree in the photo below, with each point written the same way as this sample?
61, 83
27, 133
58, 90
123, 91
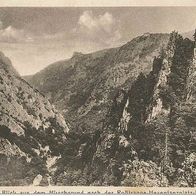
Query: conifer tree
194, 36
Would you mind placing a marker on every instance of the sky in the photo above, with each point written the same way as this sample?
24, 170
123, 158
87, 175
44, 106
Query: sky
36, 37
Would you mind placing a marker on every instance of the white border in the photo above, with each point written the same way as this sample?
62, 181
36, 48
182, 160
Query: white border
95, 3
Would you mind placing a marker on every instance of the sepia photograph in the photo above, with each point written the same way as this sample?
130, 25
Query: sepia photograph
98, 96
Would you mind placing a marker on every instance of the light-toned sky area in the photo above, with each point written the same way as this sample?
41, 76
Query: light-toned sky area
36, 37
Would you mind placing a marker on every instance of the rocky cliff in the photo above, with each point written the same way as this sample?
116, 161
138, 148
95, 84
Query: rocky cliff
32, 132
148, 135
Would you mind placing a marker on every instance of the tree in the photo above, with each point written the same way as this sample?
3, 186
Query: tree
194, 35
187, 173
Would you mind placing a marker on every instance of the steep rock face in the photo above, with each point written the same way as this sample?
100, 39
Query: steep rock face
148, 135
157, 104
156, 125
84, 86
7, 64
32, 132
123, 149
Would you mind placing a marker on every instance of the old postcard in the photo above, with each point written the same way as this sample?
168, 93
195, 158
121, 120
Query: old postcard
97, 97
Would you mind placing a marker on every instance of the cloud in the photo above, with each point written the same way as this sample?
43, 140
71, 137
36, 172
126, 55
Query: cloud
102, 28
11, 34
90, 33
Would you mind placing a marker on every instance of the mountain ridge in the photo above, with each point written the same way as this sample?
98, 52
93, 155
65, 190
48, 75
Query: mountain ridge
73, 84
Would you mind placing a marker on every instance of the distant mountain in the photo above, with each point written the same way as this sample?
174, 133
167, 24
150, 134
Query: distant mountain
32, 132
84, 86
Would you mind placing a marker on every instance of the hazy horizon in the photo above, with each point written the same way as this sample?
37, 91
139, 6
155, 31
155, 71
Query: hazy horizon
36, 37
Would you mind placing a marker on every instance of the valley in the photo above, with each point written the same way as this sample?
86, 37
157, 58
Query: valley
122, 116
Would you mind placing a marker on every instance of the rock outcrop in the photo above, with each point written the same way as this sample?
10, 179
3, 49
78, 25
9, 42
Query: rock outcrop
156, 122
148, 135
31, 130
